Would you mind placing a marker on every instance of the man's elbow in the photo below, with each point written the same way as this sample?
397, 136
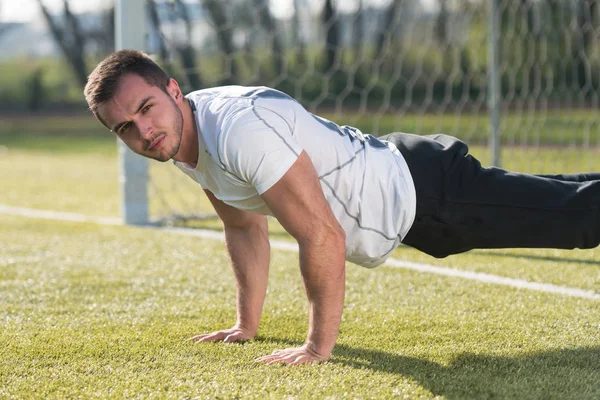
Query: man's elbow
340, 236
333, 237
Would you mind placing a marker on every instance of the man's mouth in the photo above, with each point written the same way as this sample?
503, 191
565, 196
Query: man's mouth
156, 142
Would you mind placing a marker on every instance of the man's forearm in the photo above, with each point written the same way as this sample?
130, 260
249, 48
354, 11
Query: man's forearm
249, 253
323, 270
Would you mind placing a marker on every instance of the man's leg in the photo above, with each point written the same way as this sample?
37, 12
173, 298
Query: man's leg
573, 177
462, 206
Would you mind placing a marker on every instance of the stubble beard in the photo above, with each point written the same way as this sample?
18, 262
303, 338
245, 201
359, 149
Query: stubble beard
177, 133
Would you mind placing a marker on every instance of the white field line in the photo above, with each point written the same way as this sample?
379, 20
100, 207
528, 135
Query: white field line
56, 215
288, 246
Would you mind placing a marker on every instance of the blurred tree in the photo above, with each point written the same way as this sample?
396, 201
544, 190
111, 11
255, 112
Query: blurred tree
186, 51
246, 19
555, 32
224, 32
531, 35
519, 46
585, 42
472, 79
162, 46
359, 75
35, 90
441, 26
270, 26
589, 23
70, 39
332, 36
104, 34
441, 33
549, 44
456, 64
298, 39
388, 28
358, 33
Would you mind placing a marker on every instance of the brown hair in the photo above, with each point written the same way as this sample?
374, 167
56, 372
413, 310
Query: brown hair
104, 80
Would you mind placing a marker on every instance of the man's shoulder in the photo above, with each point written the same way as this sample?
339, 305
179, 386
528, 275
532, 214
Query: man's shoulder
223, 106
231, 117
239, 92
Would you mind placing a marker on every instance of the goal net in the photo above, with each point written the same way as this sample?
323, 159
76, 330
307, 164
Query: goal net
418, 66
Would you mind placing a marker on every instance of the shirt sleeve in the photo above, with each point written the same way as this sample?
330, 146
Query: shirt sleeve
258, 146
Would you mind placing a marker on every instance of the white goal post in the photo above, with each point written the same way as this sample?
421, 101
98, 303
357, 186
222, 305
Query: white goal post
130, 33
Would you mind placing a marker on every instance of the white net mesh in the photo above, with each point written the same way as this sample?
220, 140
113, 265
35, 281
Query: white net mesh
400, 65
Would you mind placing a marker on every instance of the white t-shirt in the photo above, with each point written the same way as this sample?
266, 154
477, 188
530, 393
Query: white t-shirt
250, 136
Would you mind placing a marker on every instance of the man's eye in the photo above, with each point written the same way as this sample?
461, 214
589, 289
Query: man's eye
124, 128
145, 109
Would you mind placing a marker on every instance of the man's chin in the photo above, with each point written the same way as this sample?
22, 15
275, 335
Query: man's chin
164, 157
161, 157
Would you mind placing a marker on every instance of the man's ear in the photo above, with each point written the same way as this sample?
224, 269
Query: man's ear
174, 91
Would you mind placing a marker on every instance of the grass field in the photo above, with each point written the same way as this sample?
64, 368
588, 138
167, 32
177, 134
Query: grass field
97, 311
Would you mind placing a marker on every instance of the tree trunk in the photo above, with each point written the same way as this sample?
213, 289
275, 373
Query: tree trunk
155, 21
588, 24
69, 39
224, 38
583, 43
270, 27
441, 25
358, 37
332, 41
298, 40
186, 51
110, 30
385, 35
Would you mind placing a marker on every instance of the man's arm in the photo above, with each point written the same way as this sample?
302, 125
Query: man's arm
297, 201
247, 240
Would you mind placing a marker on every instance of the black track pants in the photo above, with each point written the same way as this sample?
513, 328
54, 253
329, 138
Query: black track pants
462, 206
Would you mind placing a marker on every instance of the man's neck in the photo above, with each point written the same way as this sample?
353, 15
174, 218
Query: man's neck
188, 149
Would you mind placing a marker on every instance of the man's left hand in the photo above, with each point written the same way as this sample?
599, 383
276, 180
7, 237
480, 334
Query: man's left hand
293, 356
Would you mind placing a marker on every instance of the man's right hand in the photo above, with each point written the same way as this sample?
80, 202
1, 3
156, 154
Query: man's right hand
231, 335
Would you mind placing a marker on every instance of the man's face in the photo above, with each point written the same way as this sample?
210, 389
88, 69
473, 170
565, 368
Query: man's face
145, 118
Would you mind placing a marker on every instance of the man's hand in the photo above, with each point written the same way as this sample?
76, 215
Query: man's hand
293, 356
231, 335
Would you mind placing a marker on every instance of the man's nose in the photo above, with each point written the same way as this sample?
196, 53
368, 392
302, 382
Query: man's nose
145, 128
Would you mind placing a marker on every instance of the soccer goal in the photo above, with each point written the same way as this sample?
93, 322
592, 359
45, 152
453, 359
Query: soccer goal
518, 80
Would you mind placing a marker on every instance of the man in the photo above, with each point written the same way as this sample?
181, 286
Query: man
341, 194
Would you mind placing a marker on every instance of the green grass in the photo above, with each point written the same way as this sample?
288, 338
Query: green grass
95, 311
101, 311
83, 183
57, 134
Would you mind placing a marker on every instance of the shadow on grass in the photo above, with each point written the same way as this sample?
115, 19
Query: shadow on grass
561, 373
515, 254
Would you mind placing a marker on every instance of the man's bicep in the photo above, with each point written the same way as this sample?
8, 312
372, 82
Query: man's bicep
298, 203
